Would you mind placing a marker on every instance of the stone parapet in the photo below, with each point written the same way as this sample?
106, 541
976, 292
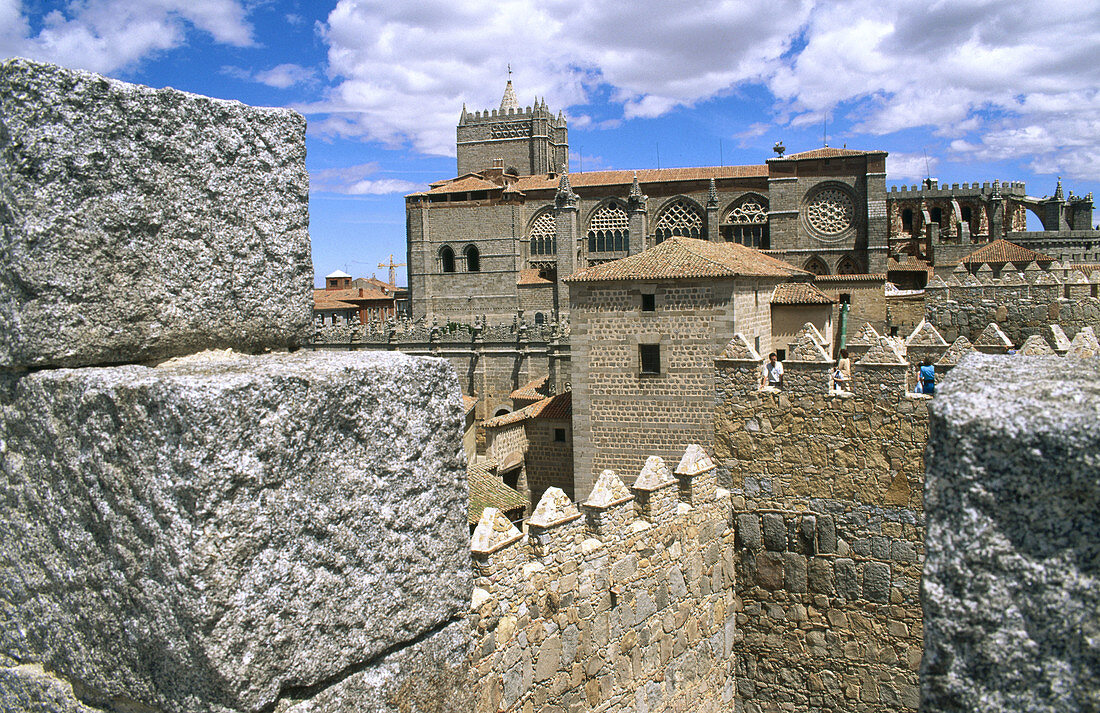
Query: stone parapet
141, 223
644, 619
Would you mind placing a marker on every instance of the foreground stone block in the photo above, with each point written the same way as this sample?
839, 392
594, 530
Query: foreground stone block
140, 223
1011, 584
233, 533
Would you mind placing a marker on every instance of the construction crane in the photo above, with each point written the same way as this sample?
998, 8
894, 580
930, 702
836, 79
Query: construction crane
393, 271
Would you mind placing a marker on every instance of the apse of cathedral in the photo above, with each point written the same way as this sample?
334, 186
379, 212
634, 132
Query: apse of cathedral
501, 236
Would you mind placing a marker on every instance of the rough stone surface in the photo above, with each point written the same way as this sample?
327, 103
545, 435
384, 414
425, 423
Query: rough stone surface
232, 533
1012, 576
140, 223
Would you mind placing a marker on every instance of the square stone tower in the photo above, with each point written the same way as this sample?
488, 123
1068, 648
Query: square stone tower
531, 140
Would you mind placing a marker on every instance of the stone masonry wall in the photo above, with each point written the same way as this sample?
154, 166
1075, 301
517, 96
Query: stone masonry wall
1021, 310
625, 605
550, 462
827, 501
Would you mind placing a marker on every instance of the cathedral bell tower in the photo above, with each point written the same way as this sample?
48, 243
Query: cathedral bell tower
531, 140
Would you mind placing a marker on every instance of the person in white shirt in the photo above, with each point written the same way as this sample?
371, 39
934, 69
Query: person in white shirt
773, 372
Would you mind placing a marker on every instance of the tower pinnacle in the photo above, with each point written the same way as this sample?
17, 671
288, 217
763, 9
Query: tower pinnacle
509, 101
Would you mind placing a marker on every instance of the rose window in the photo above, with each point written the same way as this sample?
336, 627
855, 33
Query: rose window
830, 212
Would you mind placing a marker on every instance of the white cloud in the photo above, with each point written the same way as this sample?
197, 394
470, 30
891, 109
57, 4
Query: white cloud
911, 166
107, 35
985, 72
354, 181
286, 75
401, 69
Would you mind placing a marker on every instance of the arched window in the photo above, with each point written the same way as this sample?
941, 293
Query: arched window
544, 235
816, 265
608, 230
679, 218
446, 259
847, 266
540, 318
747, 222
907, 220
473, 259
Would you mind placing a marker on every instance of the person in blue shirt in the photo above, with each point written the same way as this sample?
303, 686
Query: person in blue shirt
927, 377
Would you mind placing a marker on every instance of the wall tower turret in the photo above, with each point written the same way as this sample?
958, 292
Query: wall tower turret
530, 139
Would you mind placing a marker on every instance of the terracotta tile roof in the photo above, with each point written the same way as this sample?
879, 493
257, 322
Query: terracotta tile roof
827, 152
1002, 251
463, 184
559, 406
325, 299
468, 403
488, 490
647, 175
799, 293
1086, 268
351, 296
534, 390
530, 276
910, 264
683, 258
864, 277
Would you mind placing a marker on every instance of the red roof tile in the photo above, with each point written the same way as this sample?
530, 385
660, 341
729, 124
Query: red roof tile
1001, 251
533, 390
684, 258
645, 176
559, 406
799, 293
826, 152
461, 185
487, 489
863, 277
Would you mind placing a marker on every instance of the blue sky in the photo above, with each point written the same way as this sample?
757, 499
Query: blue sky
968, 89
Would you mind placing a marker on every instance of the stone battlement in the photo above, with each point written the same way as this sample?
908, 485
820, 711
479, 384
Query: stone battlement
1007, 188
625, 602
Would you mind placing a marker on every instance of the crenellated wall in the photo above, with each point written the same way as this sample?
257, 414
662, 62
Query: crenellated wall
827, 488
626, 603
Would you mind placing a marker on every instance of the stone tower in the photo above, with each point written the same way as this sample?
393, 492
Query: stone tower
531, 140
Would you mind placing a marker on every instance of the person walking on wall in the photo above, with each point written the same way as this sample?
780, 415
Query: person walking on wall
773, 372
927, 377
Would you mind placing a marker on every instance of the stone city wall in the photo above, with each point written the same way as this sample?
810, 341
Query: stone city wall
492, 361
625, 604
1021, 305
827, 495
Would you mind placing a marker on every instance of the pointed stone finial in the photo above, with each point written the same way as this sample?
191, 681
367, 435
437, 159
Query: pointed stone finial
509, 102
654, 475
493, 532
807, 346
1077, 277
1011, 277
1046, 278
958, 349
462, 118
1035, 346
609, 490
936, 283
739, 349
1058, 194
712, 194
925, 335
554, 508
1058, 338
1084, 345
565, 195
885, 352
636, 197
960, 269
695, 461
866, 336
993, 336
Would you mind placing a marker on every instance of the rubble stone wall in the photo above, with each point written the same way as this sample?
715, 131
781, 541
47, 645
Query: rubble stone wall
1020, 310
827, 495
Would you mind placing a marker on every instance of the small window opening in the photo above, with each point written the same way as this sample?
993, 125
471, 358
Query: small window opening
756, 345
650, 357
907, 220
937, 216
893, 331
559, 435
845, 298
473, 259
540, 318
447, 259
781, 354
649, 303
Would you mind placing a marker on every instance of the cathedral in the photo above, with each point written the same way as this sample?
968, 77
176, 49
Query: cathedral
501, 236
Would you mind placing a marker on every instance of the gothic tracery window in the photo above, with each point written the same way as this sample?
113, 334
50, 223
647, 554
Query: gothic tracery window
679, 218
747, 223
544, 235
608, 230
816, 265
